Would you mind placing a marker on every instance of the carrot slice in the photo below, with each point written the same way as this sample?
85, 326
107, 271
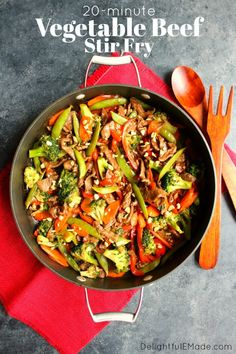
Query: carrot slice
152, 211
141, 221
85, 205
41, 215
53, 119
188, 199
55, 255
153, 126
115, 275
85, 128
111, 211
81, 232
61, 222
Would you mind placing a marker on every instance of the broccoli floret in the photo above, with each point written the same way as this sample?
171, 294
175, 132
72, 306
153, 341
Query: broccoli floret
134, 141
41, 240
120, 257
92, 272
74, 198
48, 148
159, 223
84, 252
67, 183
160, 116
155, 165
194, 170
102, 165
175, 220
44, 227
98, 209
172, 181
31, 176
186, 223
148, 242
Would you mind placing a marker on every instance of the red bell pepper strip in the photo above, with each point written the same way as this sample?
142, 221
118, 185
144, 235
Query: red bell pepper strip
116, 134
107, 182
160, 249
111, 211
87, 195
114, 146
133, 257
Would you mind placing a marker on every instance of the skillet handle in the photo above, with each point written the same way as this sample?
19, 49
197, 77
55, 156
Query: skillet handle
126, 59
114, 316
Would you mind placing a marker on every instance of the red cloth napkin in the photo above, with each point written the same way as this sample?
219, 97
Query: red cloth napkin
31, 293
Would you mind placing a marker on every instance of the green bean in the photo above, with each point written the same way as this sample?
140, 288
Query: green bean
85, 226
109, 103
167, 135
170, 163
94, 139
76, 126
81, 163
57, 128
102, 261
68, 257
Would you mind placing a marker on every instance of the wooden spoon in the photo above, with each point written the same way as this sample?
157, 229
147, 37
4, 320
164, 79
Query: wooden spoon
190, 93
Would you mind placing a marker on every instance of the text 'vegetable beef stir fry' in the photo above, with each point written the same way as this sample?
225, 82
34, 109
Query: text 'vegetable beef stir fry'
113, 187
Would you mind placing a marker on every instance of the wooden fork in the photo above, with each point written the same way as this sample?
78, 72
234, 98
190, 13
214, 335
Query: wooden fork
218, 126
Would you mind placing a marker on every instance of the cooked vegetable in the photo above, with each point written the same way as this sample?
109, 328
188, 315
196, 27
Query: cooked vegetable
168, 166
60, 122
105, 190
172, 181
84, 226
44, 227
48, 148
97, 210
120, 257
148, 242
113, 188
102, 166
110, 102
76, 126
66, 184
92, 272
31, 176
81, 163
102, 261
118, 118
94, 140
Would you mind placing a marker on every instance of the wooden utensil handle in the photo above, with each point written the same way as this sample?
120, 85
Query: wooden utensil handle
229, 174
210, 246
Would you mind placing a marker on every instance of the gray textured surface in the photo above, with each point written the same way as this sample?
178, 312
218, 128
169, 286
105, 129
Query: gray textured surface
190, 304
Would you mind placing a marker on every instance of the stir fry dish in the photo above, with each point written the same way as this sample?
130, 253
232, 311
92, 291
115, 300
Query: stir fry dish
113, 187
